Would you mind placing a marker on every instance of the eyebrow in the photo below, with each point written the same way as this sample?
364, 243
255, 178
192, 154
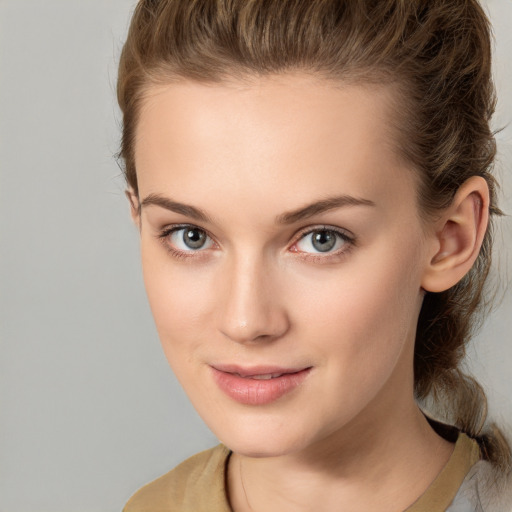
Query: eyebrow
291, 217
321, 206
174, 206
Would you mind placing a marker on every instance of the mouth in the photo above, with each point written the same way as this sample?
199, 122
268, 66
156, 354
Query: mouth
265, 376
258, 385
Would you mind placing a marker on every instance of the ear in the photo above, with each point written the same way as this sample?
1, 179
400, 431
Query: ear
133, 199
457, 236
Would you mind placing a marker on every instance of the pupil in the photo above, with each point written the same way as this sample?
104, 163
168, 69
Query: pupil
194, 238
324, 240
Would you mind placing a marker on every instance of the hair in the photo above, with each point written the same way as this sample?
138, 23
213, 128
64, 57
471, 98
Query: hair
437, 55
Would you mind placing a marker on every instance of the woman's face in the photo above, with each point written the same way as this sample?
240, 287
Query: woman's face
283, 256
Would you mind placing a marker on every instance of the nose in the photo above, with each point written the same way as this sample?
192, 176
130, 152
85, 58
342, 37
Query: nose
250, 310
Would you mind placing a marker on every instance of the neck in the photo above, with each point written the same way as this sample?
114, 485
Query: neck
360, 468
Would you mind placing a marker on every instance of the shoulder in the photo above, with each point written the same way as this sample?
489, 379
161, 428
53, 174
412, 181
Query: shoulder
483, 490
195, 483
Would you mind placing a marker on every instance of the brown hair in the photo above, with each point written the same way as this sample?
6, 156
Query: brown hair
437, 53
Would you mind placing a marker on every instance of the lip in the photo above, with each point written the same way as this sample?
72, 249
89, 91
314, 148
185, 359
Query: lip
240, 385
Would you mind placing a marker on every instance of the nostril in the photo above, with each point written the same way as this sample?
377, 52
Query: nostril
247, 308
266, 332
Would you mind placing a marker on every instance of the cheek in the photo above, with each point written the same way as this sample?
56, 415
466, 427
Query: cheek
366, 310
179, 296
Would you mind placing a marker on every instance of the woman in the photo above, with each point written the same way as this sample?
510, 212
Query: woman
312, 184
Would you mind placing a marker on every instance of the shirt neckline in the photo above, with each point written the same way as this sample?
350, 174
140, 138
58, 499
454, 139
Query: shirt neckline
439, 494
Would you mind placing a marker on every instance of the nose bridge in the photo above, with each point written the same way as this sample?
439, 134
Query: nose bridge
251, 310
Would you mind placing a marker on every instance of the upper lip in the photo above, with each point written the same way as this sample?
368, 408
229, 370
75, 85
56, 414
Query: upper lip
248, 371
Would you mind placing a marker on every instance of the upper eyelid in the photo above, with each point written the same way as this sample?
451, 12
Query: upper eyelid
323, 227
167, 230
302, 231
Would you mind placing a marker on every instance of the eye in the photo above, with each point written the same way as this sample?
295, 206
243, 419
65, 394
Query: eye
187, 239
323, 240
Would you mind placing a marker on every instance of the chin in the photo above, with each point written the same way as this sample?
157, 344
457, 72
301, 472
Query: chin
262, 436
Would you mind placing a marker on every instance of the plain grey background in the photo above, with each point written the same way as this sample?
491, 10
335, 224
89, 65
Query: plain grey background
89, 410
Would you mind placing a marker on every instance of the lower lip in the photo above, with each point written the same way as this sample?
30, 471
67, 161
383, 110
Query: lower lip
258, 391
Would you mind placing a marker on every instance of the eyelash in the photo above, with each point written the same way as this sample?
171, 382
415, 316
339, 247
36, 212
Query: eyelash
350, 241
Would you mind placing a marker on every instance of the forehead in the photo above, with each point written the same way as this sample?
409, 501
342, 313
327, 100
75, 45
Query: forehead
295, 131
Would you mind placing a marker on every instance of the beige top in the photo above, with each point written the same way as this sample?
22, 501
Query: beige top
199, 483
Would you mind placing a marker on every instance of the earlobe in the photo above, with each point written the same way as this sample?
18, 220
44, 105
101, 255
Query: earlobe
458, 237
134, 205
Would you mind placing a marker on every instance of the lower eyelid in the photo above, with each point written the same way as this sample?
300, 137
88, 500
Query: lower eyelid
330, 258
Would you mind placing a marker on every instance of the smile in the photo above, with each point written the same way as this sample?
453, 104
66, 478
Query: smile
258, 386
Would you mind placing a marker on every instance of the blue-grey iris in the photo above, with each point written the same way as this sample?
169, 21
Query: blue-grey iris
194, 238
324, 240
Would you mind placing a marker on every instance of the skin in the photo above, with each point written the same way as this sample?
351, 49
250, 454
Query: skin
351, 435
